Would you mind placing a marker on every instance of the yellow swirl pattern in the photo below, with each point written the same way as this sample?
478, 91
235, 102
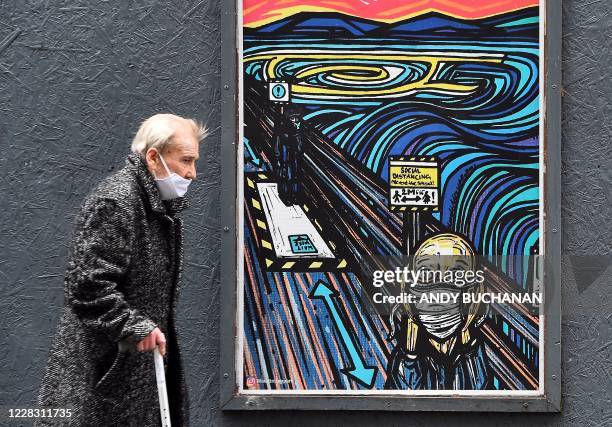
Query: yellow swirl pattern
363, 73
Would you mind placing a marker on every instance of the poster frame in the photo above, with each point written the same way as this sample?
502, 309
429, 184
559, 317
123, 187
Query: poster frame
230, 399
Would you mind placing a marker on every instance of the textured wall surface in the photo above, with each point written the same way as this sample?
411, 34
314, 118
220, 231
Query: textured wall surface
76, 78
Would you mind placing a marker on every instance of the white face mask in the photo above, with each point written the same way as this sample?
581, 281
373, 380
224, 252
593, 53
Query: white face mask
173, 185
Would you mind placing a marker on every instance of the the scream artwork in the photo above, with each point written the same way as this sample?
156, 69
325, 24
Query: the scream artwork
378, 134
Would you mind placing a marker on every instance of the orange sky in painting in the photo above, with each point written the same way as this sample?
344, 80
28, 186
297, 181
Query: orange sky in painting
260, 12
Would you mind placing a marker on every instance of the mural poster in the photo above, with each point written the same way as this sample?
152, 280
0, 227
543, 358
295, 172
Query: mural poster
390, 183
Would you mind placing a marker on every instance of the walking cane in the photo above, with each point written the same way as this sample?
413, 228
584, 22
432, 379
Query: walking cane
162, 392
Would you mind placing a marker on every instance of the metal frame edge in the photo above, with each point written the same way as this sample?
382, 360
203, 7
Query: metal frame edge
549, 402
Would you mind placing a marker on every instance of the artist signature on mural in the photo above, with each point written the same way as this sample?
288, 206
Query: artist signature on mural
252, 381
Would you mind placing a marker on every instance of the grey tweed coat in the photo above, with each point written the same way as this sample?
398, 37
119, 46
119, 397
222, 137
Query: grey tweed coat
122, 281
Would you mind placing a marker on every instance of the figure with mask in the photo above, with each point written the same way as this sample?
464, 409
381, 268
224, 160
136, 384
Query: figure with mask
439, 342
122, 284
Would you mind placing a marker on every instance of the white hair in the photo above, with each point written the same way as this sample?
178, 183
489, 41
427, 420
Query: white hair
157, 132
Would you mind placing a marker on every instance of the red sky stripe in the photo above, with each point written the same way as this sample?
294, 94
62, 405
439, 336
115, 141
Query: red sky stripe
259, 12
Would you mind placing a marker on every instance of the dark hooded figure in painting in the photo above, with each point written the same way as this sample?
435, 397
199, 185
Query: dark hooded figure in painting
121, 287
288, 153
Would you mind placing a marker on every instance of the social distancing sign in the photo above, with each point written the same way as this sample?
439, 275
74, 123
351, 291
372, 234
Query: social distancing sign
414, 184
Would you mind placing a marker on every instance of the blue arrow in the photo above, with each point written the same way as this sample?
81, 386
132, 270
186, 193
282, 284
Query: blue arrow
358, 371
254, 158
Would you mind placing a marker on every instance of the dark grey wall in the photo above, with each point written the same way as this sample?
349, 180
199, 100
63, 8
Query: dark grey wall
76, 78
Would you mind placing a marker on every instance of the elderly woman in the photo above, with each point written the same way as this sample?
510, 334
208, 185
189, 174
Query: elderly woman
121, 286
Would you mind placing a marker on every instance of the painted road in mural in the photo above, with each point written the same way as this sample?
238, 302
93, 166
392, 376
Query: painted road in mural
462, 94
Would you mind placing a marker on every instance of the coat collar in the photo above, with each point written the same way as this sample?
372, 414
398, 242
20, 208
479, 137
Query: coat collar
137, 166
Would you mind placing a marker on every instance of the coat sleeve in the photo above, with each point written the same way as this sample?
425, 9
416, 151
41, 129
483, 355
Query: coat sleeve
100, 262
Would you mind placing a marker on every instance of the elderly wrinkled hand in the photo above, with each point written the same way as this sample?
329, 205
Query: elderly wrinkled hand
155, 338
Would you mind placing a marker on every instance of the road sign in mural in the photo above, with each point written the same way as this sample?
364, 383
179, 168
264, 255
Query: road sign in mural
279, 91
414, 184
391, 205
